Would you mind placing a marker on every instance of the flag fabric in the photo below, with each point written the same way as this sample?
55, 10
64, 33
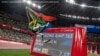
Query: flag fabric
38, 22
48, 18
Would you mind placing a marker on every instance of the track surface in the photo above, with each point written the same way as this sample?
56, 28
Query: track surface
13, 45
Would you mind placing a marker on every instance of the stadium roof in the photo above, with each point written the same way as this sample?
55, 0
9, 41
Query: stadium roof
85, 8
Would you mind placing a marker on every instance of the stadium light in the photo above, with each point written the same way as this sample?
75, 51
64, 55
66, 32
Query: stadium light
71, 1
39, 7
98, 18
74, 16
29, 2
83, 5
33, 4
69, 15
24, 0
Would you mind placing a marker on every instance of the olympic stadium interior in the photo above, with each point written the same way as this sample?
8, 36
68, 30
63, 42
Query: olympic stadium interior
68, 13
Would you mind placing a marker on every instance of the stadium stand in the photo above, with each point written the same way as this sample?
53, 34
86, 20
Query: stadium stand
19, 33
94, 43
6, 19
15, 36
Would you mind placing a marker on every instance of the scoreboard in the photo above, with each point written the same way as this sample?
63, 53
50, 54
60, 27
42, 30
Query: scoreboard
60, 42
57, 44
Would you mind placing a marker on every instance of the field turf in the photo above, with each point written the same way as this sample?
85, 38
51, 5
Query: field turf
92, 55
17, 52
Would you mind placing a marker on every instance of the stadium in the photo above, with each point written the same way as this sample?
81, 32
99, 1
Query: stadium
22, 21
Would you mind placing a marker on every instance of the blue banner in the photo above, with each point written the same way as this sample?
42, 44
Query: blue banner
92, 28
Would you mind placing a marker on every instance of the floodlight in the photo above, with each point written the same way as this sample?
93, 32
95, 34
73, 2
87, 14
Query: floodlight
29, 2
39, 7
24, 0
33, 4
83, 5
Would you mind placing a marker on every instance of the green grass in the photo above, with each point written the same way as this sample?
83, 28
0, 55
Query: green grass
17, 52
20, 52
92, 55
